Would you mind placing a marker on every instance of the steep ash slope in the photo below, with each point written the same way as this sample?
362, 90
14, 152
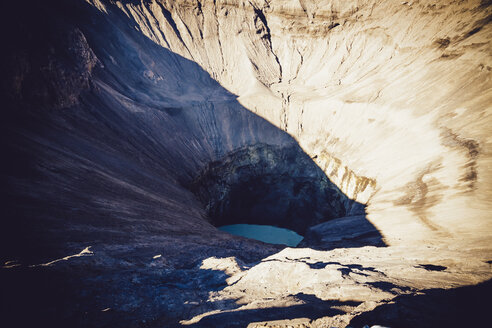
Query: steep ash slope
394, 93
123, 129
130, 127
104, 134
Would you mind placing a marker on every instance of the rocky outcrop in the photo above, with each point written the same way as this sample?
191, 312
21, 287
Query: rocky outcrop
49, 66
130, 128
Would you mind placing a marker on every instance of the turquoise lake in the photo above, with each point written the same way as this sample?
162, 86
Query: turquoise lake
264, 233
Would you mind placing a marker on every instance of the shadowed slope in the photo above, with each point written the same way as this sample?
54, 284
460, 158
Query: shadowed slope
103, 133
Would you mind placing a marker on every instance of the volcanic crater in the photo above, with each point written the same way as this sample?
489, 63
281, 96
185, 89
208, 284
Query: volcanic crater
131, 130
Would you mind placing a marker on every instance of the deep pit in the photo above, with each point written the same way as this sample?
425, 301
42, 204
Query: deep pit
270, 185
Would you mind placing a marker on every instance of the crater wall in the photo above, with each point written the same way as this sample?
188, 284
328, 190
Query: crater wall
391, 99
129, 128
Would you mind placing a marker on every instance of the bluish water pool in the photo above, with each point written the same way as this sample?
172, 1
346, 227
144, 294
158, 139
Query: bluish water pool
264, 233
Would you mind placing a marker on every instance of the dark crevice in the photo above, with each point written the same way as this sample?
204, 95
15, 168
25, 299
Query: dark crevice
431, 267
267, 35
270, 185
167, 14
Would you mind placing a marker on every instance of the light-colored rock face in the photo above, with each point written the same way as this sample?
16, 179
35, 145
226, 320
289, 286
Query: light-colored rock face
391, 99
127, 121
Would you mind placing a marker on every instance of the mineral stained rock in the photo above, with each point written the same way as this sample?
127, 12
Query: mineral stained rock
130, 128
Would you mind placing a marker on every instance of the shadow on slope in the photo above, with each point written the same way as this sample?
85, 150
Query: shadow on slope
312, 308
120, 158
101, 138
461, 307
